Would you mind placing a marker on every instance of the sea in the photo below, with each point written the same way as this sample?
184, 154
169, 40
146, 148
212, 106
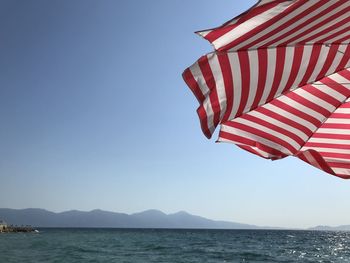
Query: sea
168, 245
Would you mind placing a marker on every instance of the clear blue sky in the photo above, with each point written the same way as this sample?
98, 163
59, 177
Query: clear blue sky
94, 114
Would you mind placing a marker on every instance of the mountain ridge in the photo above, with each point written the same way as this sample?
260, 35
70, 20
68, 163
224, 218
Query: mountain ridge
151, 218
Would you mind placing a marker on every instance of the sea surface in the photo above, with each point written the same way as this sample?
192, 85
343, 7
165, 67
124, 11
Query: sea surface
154, 245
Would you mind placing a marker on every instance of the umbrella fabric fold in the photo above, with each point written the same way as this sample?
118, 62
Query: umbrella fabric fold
278, 82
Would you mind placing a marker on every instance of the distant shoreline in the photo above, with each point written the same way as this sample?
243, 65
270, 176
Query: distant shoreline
149, 219
18, 229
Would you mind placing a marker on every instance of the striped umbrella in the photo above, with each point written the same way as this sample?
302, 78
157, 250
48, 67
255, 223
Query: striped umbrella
278, 82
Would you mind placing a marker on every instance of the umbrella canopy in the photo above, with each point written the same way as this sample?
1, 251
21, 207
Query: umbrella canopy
278, 82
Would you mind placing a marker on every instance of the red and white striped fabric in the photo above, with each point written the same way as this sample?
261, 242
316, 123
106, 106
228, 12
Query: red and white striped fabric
279, 82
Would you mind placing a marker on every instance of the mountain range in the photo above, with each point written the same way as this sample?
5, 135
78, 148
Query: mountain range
146, 219
104, 219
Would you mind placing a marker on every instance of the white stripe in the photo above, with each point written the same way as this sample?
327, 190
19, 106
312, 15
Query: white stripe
323, 27
341, 171
333, 131
340, 79
313, 23
256, 138
337, 59
254, 72
197, 74
329, 91
249, 25
204, 33
330, 141
343, 110
312, 98
301, 107
311, 159
296, 24
271, 68
345, 36
291, 116
219, 82
320, 63
274, 26
326, 150
281, 136
210, 114
338, 120
237, 82
335, 159
261, 152
303, 66
329, 33
288, 62
281, 124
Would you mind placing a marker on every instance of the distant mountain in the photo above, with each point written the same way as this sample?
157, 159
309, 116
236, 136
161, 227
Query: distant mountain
331, 228
98, 218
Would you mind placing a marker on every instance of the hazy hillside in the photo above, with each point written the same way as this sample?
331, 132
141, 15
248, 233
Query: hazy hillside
99, 218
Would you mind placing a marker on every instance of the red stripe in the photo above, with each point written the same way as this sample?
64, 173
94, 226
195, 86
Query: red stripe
245, 73
246, 141
262, 75
324, 96
331, 136
340, 115
193, 85
314, 58
286, 24
210, 81
326, 31
218, 32
336, 86
263, 26
336, 126
345, 73
274, 127
343, 40
327, 145
309, 104
262, 134
323, 164
335, 155
344, 60
259, 10
227, 27
280, 59
322, 23
298, 55
305, 24
228, 83
319, 161
343, 176
251, 150
284, 120
302, 157
329, 61
204, 121
339, 165
295, 111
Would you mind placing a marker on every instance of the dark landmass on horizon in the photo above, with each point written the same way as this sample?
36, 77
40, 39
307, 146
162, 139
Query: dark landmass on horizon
148, 219
105, 219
